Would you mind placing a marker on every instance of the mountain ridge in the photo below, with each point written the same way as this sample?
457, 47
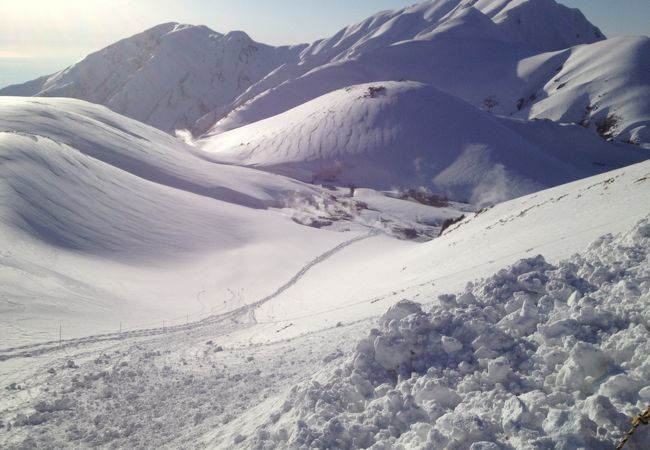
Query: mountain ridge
207, 75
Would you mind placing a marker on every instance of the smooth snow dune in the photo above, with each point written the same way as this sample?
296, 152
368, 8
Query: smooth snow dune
407, 134
139, 149
105, 220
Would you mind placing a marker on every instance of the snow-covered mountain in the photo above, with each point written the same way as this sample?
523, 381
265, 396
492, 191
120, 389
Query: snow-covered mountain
292, 277
602, 86
478, 52
106, 220
173, 74
408, 134
167, 76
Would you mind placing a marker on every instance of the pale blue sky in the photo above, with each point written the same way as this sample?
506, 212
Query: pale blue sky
41, 36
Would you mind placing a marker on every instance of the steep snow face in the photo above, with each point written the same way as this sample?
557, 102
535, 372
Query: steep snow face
543, 25
407, 134
603, 86
167, 76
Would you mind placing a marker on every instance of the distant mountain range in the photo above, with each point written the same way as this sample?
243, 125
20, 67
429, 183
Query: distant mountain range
525, 58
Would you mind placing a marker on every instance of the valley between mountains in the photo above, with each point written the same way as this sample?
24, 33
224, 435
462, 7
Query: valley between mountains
427, 231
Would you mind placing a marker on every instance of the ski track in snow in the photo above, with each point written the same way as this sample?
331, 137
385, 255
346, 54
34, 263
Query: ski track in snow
243, 314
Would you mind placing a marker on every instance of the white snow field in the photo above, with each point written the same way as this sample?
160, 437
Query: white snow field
108, 223
288, 372
428, 231
408, 134
106, 220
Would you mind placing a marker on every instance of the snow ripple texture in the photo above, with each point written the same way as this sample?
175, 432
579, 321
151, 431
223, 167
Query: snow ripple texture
536, 357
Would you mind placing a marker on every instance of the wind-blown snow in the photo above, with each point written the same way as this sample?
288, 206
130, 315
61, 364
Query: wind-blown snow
407, 134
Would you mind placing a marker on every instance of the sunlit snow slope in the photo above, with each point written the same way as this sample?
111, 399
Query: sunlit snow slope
105, 220
530, 58
378, 272
408, 134
167, 76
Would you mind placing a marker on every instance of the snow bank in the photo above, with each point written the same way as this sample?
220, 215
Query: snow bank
536, 356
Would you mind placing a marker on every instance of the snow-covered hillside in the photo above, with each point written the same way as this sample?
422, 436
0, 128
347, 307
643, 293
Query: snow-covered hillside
602, 86
105, 220
407, 235
167, 76
535, 356
407, 134
304, 368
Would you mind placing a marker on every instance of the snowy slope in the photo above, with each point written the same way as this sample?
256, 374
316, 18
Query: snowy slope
406, 134
378, 272
535, 356
104, 219
483, 53
468, 48
297, 377
167, 76
588, 83
172, 74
